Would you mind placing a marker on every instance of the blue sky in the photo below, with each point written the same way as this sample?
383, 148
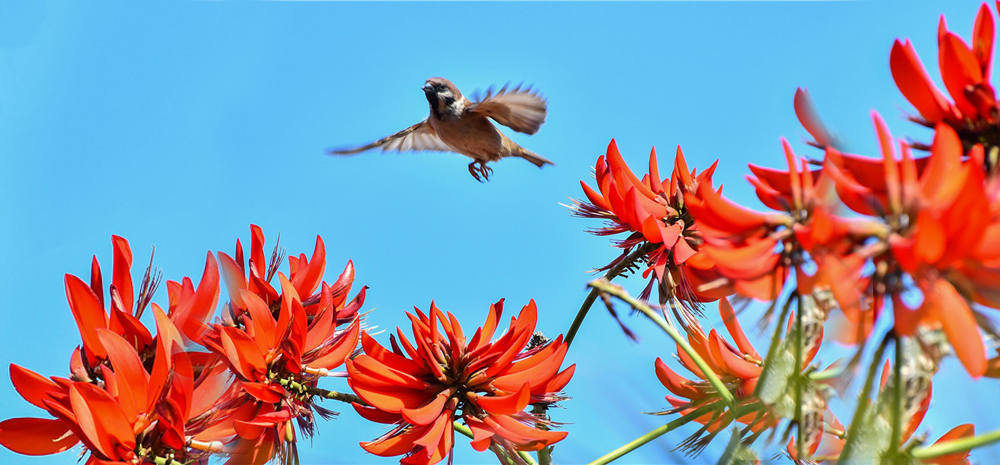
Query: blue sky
178, 124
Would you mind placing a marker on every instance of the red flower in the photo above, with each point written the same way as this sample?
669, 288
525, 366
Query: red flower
423, 387
928, 234
138, 416
655, 214
737, 366
966, 74
156, 400
278, 345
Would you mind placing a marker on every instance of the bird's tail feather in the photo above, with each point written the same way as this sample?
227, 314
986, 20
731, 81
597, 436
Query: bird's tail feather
535, 158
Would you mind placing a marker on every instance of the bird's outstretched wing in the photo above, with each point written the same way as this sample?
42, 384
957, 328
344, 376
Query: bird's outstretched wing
520, 110
419, 137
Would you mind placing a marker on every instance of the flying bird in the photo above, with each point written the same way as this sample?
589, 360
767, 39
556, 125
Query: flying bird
458, 125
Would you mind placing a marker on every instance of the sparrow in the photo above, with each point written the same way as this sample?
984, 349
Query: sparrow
458, 125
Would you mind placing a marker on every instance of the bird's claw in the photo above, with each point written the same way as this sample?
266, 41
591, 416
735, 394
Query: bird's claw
480, 171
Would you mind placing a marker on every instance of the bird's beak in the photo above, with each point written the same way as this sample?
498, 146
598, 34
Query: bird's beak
427, 88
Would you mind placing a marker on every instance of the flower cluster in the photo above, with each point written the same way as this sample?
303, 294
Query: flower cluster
901, 248
973, 110
424, 386
137, 398
279, 344
131, 397
246, 385
654, 212
922, 236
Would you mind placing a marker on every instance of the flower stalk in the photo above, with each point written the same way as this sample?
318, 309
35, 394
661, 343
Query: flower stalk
958, 445
605, 287
612, 273
645, 438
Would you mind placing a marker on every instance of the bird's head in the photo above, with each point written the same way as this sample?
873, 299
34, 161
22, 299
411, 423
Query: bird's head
444, 97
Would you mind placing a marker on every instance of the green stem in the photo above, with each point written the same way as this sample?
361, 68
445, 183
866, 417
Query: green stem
957, 445
545, 453
605, 287
776, 339
324, 393
897, 400
800, 438
635, 444
614, 272
861, 410
827, 374
468, 433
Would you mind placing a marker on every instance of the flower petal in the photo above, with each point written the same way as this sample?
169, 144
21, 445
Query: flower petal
36, 436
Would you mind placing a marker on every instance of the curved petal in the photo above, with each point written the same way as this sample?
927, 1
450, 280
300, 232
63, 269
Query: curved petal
32, 386
915, 84
735, 330
102, 420
675, 383
36, 436
508, 404
89, 314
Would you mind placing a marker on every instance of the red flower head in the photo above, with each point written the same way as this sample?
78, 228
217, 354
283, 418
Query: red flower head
423, 387
966, 73
924, 234
113, 403
656, 215
739, 366
279, 344
134, 415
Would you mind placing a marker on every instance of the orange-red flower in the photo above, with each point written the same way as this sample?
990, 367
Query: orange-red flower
739, 366
940, 217
131, 396
655, 213
424, 386
965, 69
136, 398
135, 415
87, 302
278, 344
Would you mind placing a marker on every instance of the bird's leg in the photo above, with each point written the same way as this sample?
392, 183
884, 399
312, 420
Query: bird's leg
474, 172
481, 172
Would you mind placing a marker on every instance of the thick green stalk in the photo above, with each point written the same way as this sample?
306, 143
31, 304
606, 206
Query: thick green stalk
645, 438
860, 412
800, 438
544, 454
897, 398
776, 339
325, 393
957, 445
616, 270
605, 287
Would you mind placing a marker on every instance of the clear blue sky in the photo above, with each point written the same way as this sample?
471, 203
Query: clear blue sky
178, 124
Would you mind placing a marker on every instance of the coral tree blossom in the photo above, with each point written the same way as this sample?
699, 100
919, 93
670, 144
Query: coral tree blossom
965, 70
278, 343
131, 397
137, 398
424, 386
653, 211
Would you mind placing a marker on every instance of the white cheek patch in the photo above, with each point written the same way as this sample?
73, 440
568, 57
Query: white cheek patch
452, 105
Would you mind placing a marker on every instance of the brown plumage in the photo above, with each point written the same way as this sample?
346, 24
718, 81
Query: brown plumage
458, 125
